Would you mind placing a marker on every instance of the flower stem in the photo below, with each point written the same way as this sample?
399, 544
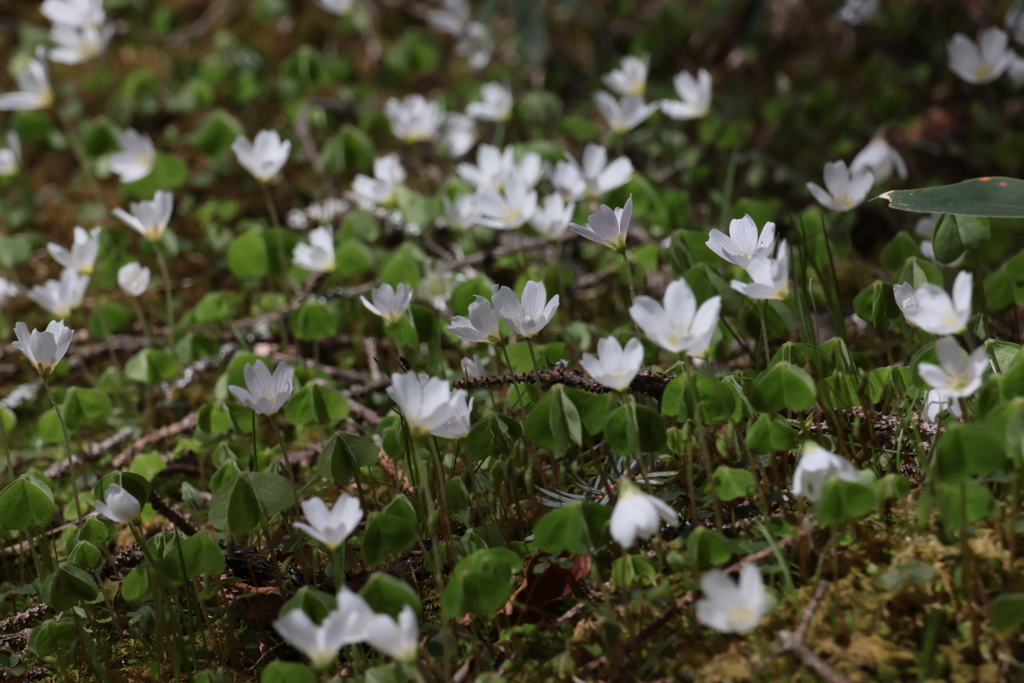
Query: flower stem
533, 357
142, 320
162, 262
67, 446
764, 334
7, 446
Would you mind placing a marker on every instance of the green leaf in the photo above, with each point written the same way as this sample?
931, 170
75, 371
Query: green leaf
1007, 612
136, 584
169, 172
991, 196
481, 583
216, 132
842, 500
771, 433
899, 249
248, 256
783, 386
731, 483
573, 528
287, 672
493, 436
718, 401
566, 427
53, 635
876, 304
343, 454
593, 409
965, 451
388, 594
313, 321
151, 366
202, 556
389, 532
26, 502
315, 403
975, 498
708, 548
650, 426
108, 317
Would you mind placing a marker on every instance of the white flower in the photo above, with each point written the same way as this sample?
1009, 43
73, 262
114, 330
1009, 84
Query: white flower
77, 45
320, 643
265, 393
1015, 21
816, 467
936, 401
625, 114
452, 19
981, 62
528, 318
1015, 70
82, 255
336, 7
438, 285
728, 607
414, 119
77, 13
599, 175
567, 179
458, 134
462, 213
10, 156
43, 349
638, 515
847, 188
933, 310
8, 290
770, 276
925, 226
388, 302
264, 156
630, 78
957, 373
473, 367
426, 402
388, 174
118, 505
481, 326
510, 208
35, 92
607, 227
60, 297
881, 159
552, 220
296, 219
855, 12
694, 96
136, 158
495, 104
678, 326
458, 425
614, 367
149, 218
331, 526
476, 45
133, 278
399, 639
318, 255
495, 167
742, 245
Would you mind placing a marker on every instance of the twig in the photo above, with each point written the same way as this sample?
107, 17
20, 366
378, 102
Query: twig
647, 382
171, 512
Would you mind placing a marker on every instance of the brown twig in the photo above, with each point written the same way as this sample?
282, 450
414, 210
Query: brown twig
647, 382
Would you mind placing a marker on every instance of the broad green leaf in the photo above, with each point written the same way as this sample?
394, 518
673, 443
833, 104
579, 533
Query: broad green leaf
573, 528
707, 548
783, 386
990, 196
26, 502
731, 483
389, 594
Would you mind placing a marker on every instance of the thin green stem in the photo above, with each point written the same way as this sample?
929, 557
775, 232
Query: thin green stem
164, 273
764, 334
67, 446
142, 320
7, 445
